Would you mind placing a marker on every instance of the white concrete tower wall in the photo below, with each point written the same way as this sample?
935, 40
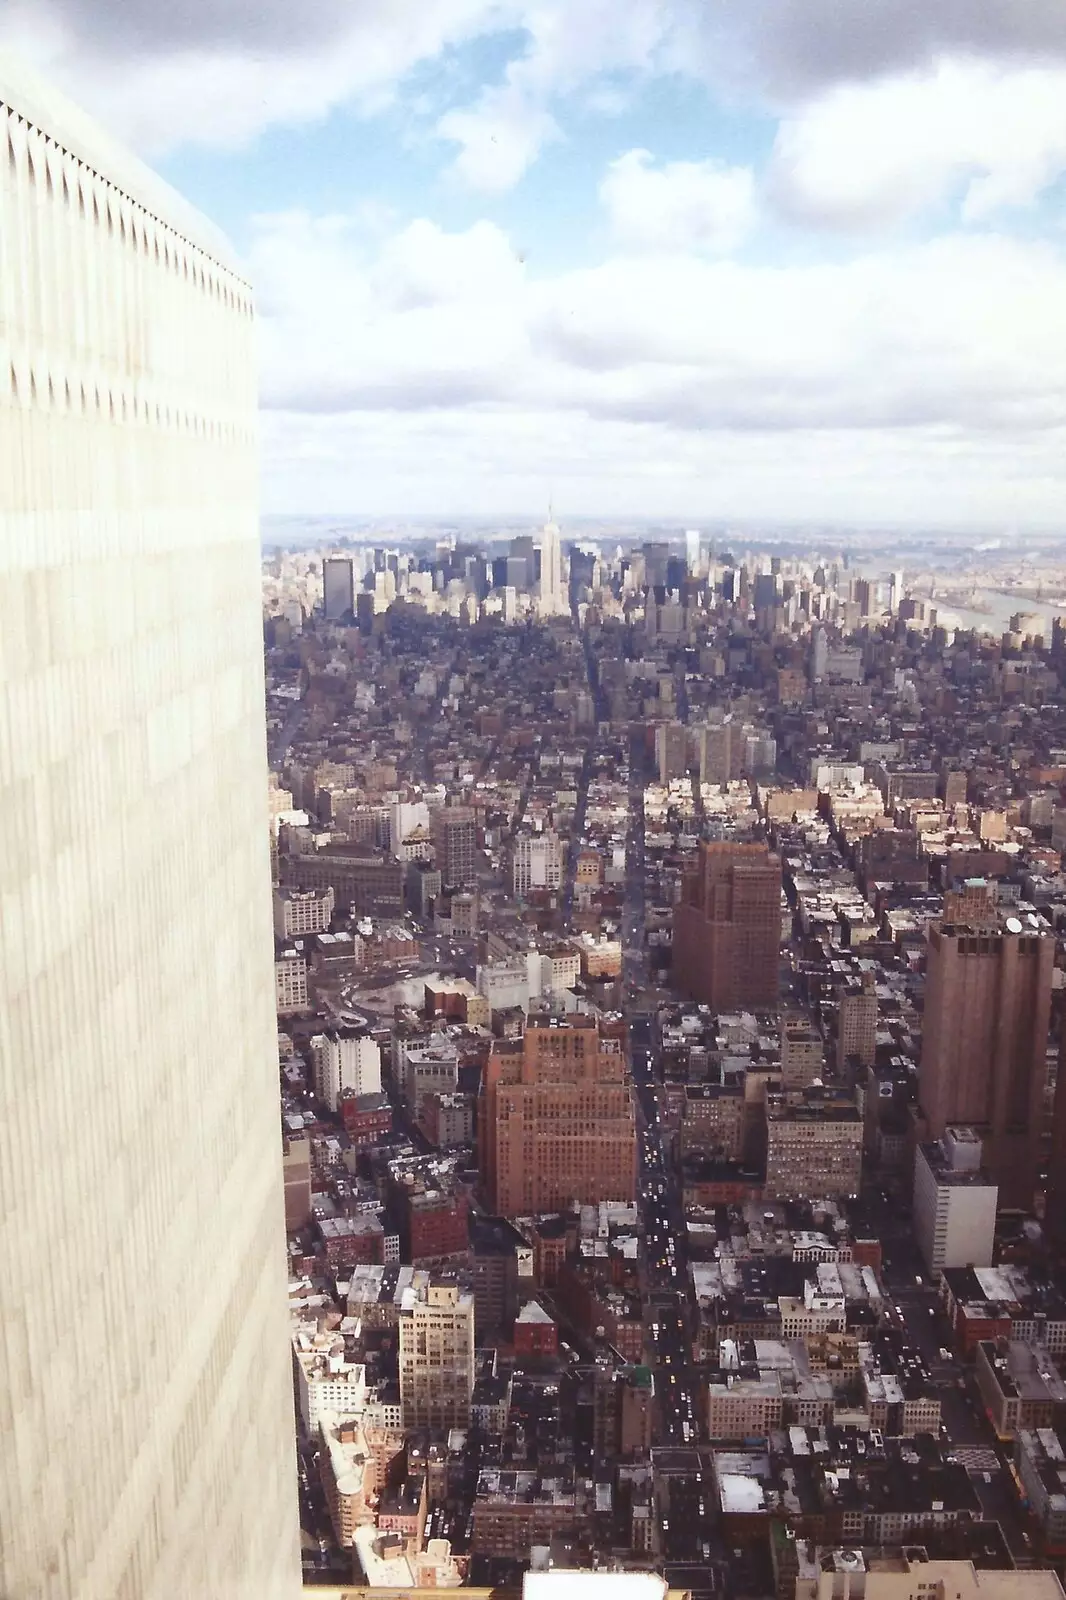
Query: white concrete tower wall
146, 1434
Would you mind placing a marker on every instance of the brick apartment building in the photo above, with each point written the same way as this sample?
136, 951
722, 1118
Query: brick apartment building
536, 1334
557, 1120
367, 1118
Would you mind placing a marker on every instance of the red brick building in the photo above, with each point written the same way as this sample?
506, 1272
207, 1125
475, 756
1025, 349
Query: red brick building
353, 1241
535, 1332
367, 1118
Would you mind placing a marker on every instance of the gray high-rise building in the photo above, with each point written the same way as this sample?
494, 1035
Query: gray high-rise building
338, 588
146, 1416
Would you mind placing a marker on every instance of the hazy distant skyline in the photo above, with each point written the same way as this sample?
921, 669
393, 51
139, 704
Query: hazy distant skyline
760, 259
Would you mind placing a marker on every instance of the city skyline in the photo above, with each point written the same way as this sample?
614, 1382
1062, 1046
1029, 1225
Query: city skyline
778, 265
643, 1174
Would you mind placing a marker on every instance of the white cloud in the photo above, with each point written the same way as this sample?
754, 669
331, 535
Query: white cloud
425, 319
570, 45
408, 366
680, 207
195, 71
500, 137
204, 72
430, 367
492, 464
199, 72
875, 153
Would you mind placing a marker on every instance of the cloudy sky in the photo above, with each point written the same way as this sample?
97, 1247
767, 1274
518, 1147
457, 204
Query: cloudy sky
784, 260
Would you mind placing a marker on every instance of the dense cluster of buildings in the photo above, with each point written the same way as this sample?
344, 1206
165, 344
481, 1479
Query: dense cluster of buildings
804, 836
666, 963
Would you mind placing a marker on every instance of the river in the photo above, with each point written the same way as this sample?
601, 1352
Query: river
1001, 607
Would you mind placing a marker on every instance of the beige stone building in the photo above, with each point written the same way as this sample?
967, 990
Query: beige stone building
290, 982
909, 1575
741, 1408
857, 1025
813, 1149
302, 911
1020, 1385
349, 1475
436, 1328
146, 1410
714, 1117
802, 1054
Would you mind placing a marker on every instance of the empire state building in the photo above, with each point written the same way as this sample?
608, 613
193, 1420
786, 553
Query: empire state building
553, 598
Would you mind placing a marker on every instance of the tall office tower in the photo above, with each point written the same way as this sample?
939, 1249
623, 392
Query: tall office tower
537, 862
146, 1406
802, 1053
1055, 1207
338, 588
522, 563
727, 927
436, 1326
454, 830
345, 1061
692, 552
819, 662
556, 1120
553, 596
857, 1025
767, 591
984, 1038
671, 751
656, 560
714, 746
954, 1202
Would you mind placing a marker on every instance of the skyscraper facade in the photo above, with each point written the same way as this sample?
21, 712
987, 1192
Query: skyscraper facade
454, 830
857, 1024
984, 1042
1055, 1208
338, 588
727, 926
553, 596
145, 1392
436, 1354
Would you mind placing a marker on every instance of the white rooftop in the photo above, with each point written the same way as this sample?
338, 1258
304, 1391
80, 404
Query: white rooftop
564, 1585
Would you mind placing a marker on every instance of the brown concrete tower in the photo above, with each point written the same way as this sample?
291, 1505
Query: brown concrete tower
1055, 1206
727, 927
987, 1009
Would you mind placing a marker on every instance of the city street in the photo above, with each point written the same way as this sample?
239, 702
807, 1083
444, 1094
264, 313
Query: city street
915, 1309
